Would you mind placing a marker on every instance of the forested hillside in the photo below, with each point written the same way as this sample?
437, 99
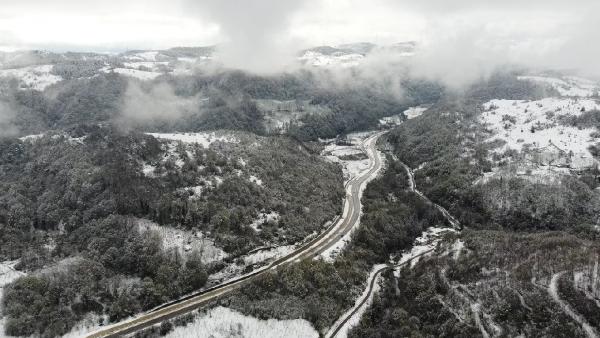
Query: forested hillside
71, 203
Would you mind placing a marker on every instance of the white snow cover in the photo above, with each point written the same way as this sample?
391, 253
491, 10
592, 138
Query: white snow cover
35, 77
88, 324
255, 180
413, 112
549, 136
138, 74
184, 241
567, 86
351, 169
267, 255
335, 60
427, 241
205, 139
7, 275
355, 319
31, 137
264, 218
222, 322
146, 64
143, 56
396, 120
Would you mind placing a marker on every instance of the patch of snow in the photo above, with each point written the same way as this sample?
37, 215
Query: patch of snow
31, 137
256, 180
553, 291
568, 86
185, 242
204, 139
144, 64
34, 77
360, 309
428, 240
88, 324
272, 216
534, 126
221, 322
267, 255
143, 56
148, 170
353, 169
317, 59
457, 249
413, 112
138, 74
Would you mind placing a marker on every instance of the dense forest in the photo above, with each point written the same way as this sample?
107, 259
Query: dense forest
68, 202
527, 259
321, 291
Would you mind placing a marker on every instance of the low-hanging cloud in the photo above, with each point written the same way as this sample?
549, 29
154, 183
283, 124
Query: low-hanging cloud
466, 40
145, 105
7, 127
255, 32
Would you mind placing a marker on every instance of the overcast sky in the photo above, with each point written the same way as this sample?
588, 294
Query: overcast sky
120, 24
553, 31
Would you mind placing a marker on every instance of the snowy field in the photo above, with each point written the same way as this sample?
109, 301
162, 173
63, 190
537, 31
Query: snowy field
268, 255
184, 242
34, 77
7, 275
534, 126
395, 120
567, 86
204, 139
263, 218
317, 59
135, 73
222, 322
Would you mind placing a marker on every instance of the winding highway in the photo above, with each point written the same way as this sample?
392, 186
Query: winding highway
412, 186
315, 247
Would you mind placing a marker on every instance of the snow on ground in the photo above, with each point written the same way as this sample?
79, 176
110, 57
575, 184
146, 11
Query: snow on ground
335, 153
428, 240
35, 77
355, 319
135, 73
262, 218
567, 309
317, 59
351, 169
8, 273
535, 126
396, 120
221, 322
255, 180
205, 139
413, 112
185, 242
142, 56
88, 324
567, 86
268, 255
31, 137
144, 64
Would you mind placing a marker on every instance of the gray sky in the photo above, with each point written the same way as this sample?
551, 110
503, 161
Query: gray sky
555, 32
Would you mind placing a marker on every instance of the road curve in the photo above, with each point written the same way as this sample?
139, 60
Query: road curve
334, 331
313, 248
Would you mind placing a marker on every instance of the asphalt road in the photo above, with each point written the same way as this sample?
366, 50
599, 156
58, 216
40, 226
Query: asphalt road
313, 248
